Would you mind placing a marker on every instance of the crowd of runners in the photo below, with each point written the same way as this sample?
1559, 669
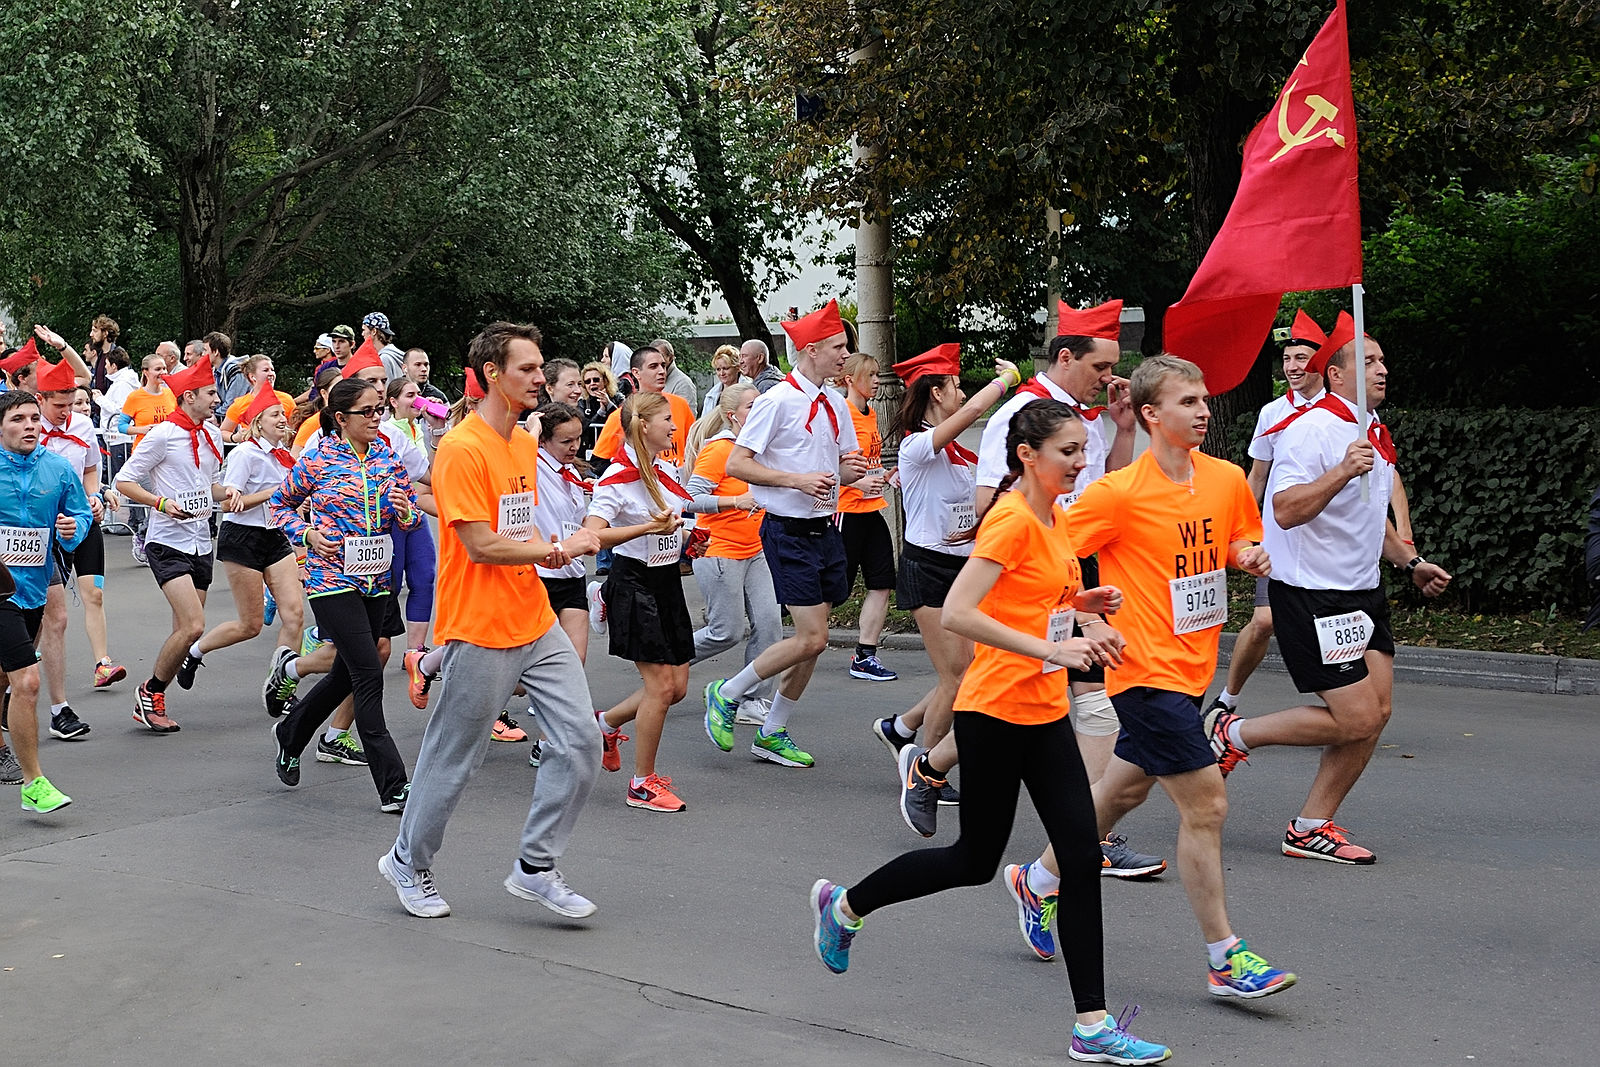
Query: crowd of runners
1070, 597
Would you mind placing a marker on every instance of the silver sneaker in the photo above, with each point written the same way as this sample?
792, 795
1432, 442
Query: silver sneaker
414, 888
1120, 861
550, 889
752, 712
10, 769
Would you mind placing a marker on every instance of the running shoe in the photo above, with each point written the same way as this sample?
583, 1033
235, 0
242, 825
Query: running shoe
1035, 914
719, 718
722, 706
752, 711
1113, 1043
42, 797
830, 937
869, 669
10, 769
883, 730
287, 766
949, 796
1326, 842
779, 748
138, 550
108, 673
417, 683
150, 711
919, 794
310, 641
66, 725
535, 755
342, 749
277, 692
1229, 755
597, 608
186, 669
505, 728
610, 755
269, 609
396, 804
550, 889
414, 888
1248, 976
654, 794
1117, 860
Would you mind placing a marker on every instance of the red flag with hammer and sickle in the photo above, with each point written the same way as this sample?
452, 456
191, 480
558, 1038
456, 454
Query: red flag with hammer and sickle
1295, 222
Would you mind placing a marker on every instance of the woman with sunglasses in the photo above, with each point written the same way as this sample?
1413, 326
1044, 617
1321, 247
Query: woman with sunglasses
356, 488
599, 398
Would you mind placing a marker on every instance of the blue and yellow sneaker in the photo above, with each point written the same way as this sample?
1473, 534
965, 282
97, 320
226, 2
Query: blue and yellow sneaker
1111, 1043
719, 717
1248, 976
1035, 914
831, 937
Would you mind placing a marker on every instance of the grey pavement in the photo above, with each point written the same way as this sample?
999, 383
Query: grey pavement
187, 909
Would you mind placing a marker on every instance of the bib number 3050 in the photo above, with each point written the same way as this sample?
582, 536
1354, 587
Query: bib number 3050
1343, 638
366, 556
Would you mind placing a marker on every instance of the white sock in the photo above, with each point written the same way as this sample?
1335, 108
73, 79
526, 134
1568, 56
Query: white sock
778, 717
1041, 881
1218, 950
1090, 1029
432, 660
901, 729
194, 650
1302, 826
1229, 700
742, 683
55, 709
1236, 736
844, 920
289, 669
332, 734
637, 781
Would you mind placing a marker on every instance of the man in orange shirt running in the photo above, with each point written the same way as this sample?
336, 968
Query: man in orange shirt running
484, 484
650, 367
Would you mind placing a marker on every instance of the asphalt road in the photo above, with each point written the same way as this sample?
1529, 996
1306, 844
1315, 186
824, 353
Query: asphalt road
187, 909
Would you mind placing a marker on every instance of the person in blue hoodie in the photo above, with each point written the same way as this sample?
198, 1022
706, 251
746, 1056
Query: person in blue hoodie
43, 510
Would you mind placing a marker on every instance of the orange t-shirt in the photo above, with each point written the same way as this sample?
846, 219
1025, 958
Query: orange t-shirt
734, 534
871, 444
147, 409
1149, 532
310, 426
236, 409
488, 605
609, 443
1039, 576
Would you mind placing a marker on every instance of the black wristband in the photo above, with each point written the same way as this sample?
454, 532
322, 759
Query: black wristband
1411, 568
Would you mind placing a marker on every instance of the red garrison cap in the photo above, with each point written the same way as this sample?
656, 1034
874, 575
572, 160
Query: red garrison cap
266, 398
1102, 320
21, 357
943, 359
55, 377
190, 378
1344, 331
474, 390
820, 325
1306, 331
364, 357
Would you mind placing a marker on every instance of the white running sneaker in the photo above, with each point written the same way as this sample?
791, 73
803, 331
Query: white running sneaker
414, 888
550, 889
752, 712
597, 608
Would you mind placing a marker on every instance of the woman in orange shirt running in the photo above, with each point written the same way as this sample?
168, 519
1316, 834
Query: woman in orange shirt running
1015, 599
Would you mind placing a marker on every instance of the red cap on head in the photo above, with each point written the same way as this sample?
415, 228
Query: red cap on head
474, 390
54, 377
1306, 331
266, 398
364, 357
1102, 320
196, 377
1344, 331
23, 356
820, 325
944, 360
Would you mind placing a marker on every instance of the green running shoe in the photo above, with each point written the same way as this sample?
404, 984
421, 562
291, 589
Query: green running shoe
719, 718
780, 749
40, 796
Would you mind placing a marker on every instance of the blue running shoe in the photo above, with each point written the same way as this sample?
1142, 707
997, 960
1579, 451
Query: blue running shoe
1035, 914
311, 640
869, 669
1248, 976
832, 937
269, 610
1113, 1043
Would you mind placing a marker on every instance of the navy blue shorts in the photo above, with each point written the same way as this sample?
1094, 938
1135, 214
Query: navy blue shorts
806, 557
1161, 731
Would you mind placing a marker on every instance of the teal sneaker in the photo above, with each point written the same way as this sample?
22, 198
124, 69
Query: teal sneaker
311, 640
719, 718
780, 749
1113, 1043
831, 938
1248, 976
40, 796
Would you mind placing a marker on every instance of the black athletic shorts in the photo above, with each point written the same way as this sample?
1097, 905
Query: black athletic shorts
167, 563
925, 577
18, 628
566, 593
868, 548
1295, 612
256, 547
88, 560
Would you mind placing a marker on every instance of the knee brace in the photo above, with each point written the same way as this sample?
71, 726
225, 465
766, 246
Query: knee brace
1093, 714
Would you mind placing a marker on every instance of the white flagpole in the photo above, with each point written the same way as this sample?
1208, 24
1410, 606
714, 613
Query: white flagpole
1357, 292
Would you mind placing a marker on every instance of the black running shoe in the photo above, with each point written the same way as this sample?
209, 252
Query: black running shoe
66, 725
535, 756
949, 796
186, 669
287, 766
396, 805
919, 795
883, 730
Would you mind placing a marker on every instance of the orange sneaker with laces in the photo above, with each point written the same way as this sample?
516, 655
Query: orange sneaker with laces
610, 756
654, 794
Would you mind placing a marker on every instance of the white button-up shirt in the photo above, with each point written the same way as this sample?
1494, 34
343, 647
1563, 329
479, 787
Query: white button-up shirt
164, 462
775, 432
558, 509
992, 446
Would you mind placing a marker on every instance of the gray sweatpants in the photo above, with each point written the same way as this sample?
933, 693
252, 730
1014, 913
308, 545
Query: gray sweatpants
734, 589
475, 684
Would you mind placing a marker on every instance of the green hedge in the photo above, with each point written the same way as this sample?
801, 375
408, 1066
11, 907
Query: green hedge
1499, 498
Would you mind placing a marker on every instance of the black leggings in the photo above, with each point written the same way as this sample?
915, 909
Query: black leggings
996, 758
352, 623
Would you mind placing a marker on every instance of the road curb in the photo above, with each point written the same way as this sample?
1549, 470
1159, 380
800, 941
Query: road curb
1506, 671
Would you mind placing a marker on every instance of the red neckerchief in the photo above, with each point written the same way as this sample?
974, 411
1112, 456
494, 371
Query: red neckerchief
630, 473
571, 478
280, 454
1038, 388
196, 432
1377, 432
958, 456
52, 431
818, 401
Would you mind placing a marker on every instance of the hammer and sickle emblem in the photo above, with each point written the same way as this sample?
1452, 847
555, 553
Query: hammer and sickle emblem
1321, 111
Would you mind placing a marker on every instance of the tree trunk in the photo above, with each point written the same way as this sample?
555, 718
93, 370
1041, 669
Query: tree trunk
202, 267
740, 293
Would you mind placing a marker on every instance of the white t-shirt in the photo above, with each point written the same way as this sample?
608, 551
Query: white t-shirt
937, 495
559, 510
83, 457
252, 468
775, 431
992, 446
629, 504
1340, 547
1272, 413
165, 462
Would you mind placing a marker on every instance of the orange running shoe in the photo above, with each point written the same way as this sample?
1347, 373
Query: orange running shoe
107, 673
610, 757
654, 794
506, 729
418, 682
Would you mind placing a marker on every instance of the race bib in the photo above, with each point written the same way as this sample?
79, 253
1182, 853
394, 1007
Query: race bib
516, 516
196, 502
1199, 602
826, 505
23, 546
664, 549
1066, 500
366, 556
570, 528
1343, 638
875, 472
959, 518
1059, 629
